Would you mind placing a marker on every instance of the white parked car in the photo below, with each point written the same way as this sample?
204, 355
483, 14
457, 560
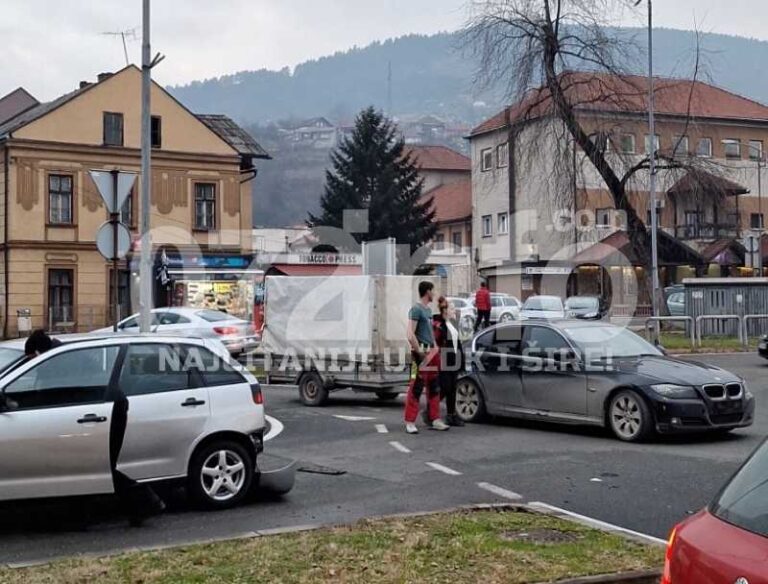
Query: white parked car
504, 308
548, 307
193, 415
236, 334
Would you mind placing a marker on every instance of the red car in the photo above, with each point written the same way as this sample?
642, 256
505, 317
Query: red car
727, 543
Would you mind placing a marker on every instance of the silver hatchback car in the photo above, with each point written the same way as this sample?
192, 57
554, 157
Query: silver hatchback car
193, 415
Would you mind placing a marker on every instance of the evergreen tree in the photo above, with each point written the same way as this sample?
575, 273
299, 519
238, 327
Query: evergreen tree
370, 171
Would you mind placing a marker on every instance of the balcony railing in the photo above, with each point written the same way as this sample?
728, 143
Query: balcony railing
707, 231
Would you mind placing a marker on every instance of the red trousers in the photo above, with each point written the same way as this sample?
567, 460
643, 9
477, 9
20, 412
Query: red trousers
423, 376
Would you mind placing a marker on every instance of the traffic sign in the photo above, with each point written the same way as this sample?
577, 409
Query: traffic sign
113, 186
105, 240
751, 243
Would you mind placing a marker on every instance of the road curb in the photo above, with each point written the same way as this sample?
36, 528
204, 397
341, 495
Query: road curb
643, 577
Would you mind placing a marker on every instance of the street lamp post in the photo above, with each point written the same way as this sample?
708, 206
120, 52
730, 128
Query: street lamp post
652, 168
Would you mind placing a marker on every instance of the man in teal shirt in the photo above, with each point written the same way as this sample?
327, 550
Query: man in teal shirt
424, 365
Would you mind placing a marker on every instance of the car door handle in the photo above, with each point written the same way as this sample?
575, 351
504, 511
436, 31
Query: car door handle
192, 402
92, 419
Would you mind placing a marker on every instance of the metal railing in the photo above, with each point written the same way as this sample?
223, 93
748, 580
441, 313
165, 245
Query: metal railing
655, 320
747, 318
715, 317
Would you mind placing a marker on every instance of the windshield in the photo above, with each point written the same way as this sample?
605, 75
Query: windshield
576, 303
744, 502
8, 357
457, 302
609, 341
543, 303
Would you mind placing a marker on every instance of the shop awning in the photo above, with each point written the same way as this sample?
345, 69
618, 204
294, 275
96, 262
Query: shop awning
725, 252
617, 245
313, 270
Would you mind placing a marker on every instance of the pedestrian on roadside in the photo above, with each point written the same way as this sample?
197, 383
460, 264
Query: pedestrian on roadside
425, 359
451, 357
483, 306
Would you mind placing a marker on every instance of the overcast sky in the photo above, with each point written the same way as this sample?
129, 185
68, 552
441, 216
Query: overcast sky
50, 45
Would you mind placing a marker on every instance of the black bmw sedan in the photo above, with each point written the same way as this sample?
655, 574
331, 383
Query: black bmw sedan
583, 372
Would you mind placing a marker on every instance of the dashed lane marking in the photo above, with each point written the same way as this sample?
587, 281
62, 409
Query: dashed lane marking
400, 447
500, 492
381, 429
443, 469
353, 418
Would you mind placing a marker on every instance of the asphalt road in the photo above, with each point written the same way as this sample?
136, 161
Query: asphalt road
357, 462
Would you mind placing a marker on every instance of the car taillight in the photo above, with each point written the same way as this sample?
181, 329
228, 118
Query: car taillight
226, 330
666, 578
258, 397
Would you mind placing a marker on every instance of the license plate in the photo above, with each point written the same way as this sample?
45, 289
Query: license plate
728, 407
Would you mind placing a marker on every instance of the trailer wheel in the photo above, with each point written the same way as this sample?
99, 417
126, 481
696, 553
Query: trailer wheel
387, 395
312, 390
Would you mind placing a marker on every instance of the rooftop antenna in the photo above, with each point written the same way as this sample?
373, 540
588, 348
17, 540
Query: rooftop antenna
124, 34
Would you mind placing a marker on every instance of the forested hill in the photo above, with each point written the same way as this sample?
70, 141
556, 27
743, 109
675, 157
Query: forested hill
433, 75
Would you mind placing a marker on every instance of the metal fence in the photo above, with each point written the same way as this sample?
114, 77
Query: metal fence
728, 297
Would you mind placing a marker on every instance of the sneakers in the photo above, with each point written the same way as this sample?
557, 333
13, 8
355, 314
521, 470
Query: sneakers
411, 428
439, 425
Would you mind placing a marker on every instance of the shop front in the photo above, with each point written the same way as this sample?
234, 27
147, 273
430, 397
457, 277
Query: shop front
227, 283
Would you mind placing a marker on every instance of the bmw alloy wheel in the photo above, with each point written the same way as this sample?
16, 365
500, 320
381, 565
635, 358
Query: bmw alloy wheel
626, 416
223, 475
469, 401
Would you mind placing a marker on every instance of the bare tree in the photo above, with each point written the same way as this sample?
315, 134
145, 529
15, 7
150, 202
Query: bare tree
561, 61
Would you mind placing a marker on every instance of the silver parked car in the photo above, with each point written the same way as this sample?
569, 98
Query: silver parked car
504, 308
466, 314
194, 415
543, 307
236, 334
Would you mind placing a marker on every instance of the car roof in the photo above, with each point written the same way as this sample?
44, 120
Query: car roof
85, 338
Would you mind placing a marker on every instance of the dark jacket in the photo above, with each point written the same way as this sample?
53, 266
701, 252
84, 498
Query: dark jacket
452, 360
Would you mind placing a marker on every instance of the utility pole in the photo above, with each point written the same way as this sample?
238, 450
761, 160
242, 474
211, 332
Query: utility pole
652, 169
145, 262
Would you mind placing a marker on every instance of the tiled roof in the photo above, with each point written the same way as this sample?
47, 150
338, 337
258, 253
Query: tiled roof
629, 94
38, 111
15, 103
726, 252
234, 135
452, 202
438, 158
701, 182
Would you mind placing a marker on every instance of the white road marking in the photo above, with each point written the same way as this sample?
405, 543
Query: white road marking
499, 491
275, 428
445, 469
381, 429
400, 447
589, 521
353, 418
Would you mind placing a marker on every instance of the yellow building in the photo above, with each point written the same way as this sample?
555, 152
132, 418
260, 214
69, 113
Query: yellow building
50, 209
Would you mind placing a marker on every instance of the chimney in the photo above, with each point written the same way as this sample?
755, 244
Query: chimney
84, 84
103, 76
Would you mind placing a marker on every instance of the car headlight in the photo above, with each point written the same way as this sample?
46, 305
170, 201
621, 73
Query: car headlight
672, 391
590, 315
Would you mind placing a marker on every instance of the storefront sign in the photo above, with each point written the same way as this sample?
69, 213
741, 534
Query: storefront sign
548, 271
330, 259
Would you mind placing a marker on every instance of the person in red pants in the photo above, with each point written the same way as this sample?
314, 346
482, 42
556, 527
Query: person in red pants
425, 361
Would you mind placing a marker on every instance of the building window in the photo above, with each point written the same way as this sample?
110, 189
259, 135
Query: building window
61, 295
205, 206
755, 149
627, 144
502, 155
657, 143
681, 146
732, 148
157, 132
439, 241
487, 225
503, 223
457, 240
60, 199
486, 159
756, 220
126, 213
603, 217
649, 219
113, 129
704, 148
